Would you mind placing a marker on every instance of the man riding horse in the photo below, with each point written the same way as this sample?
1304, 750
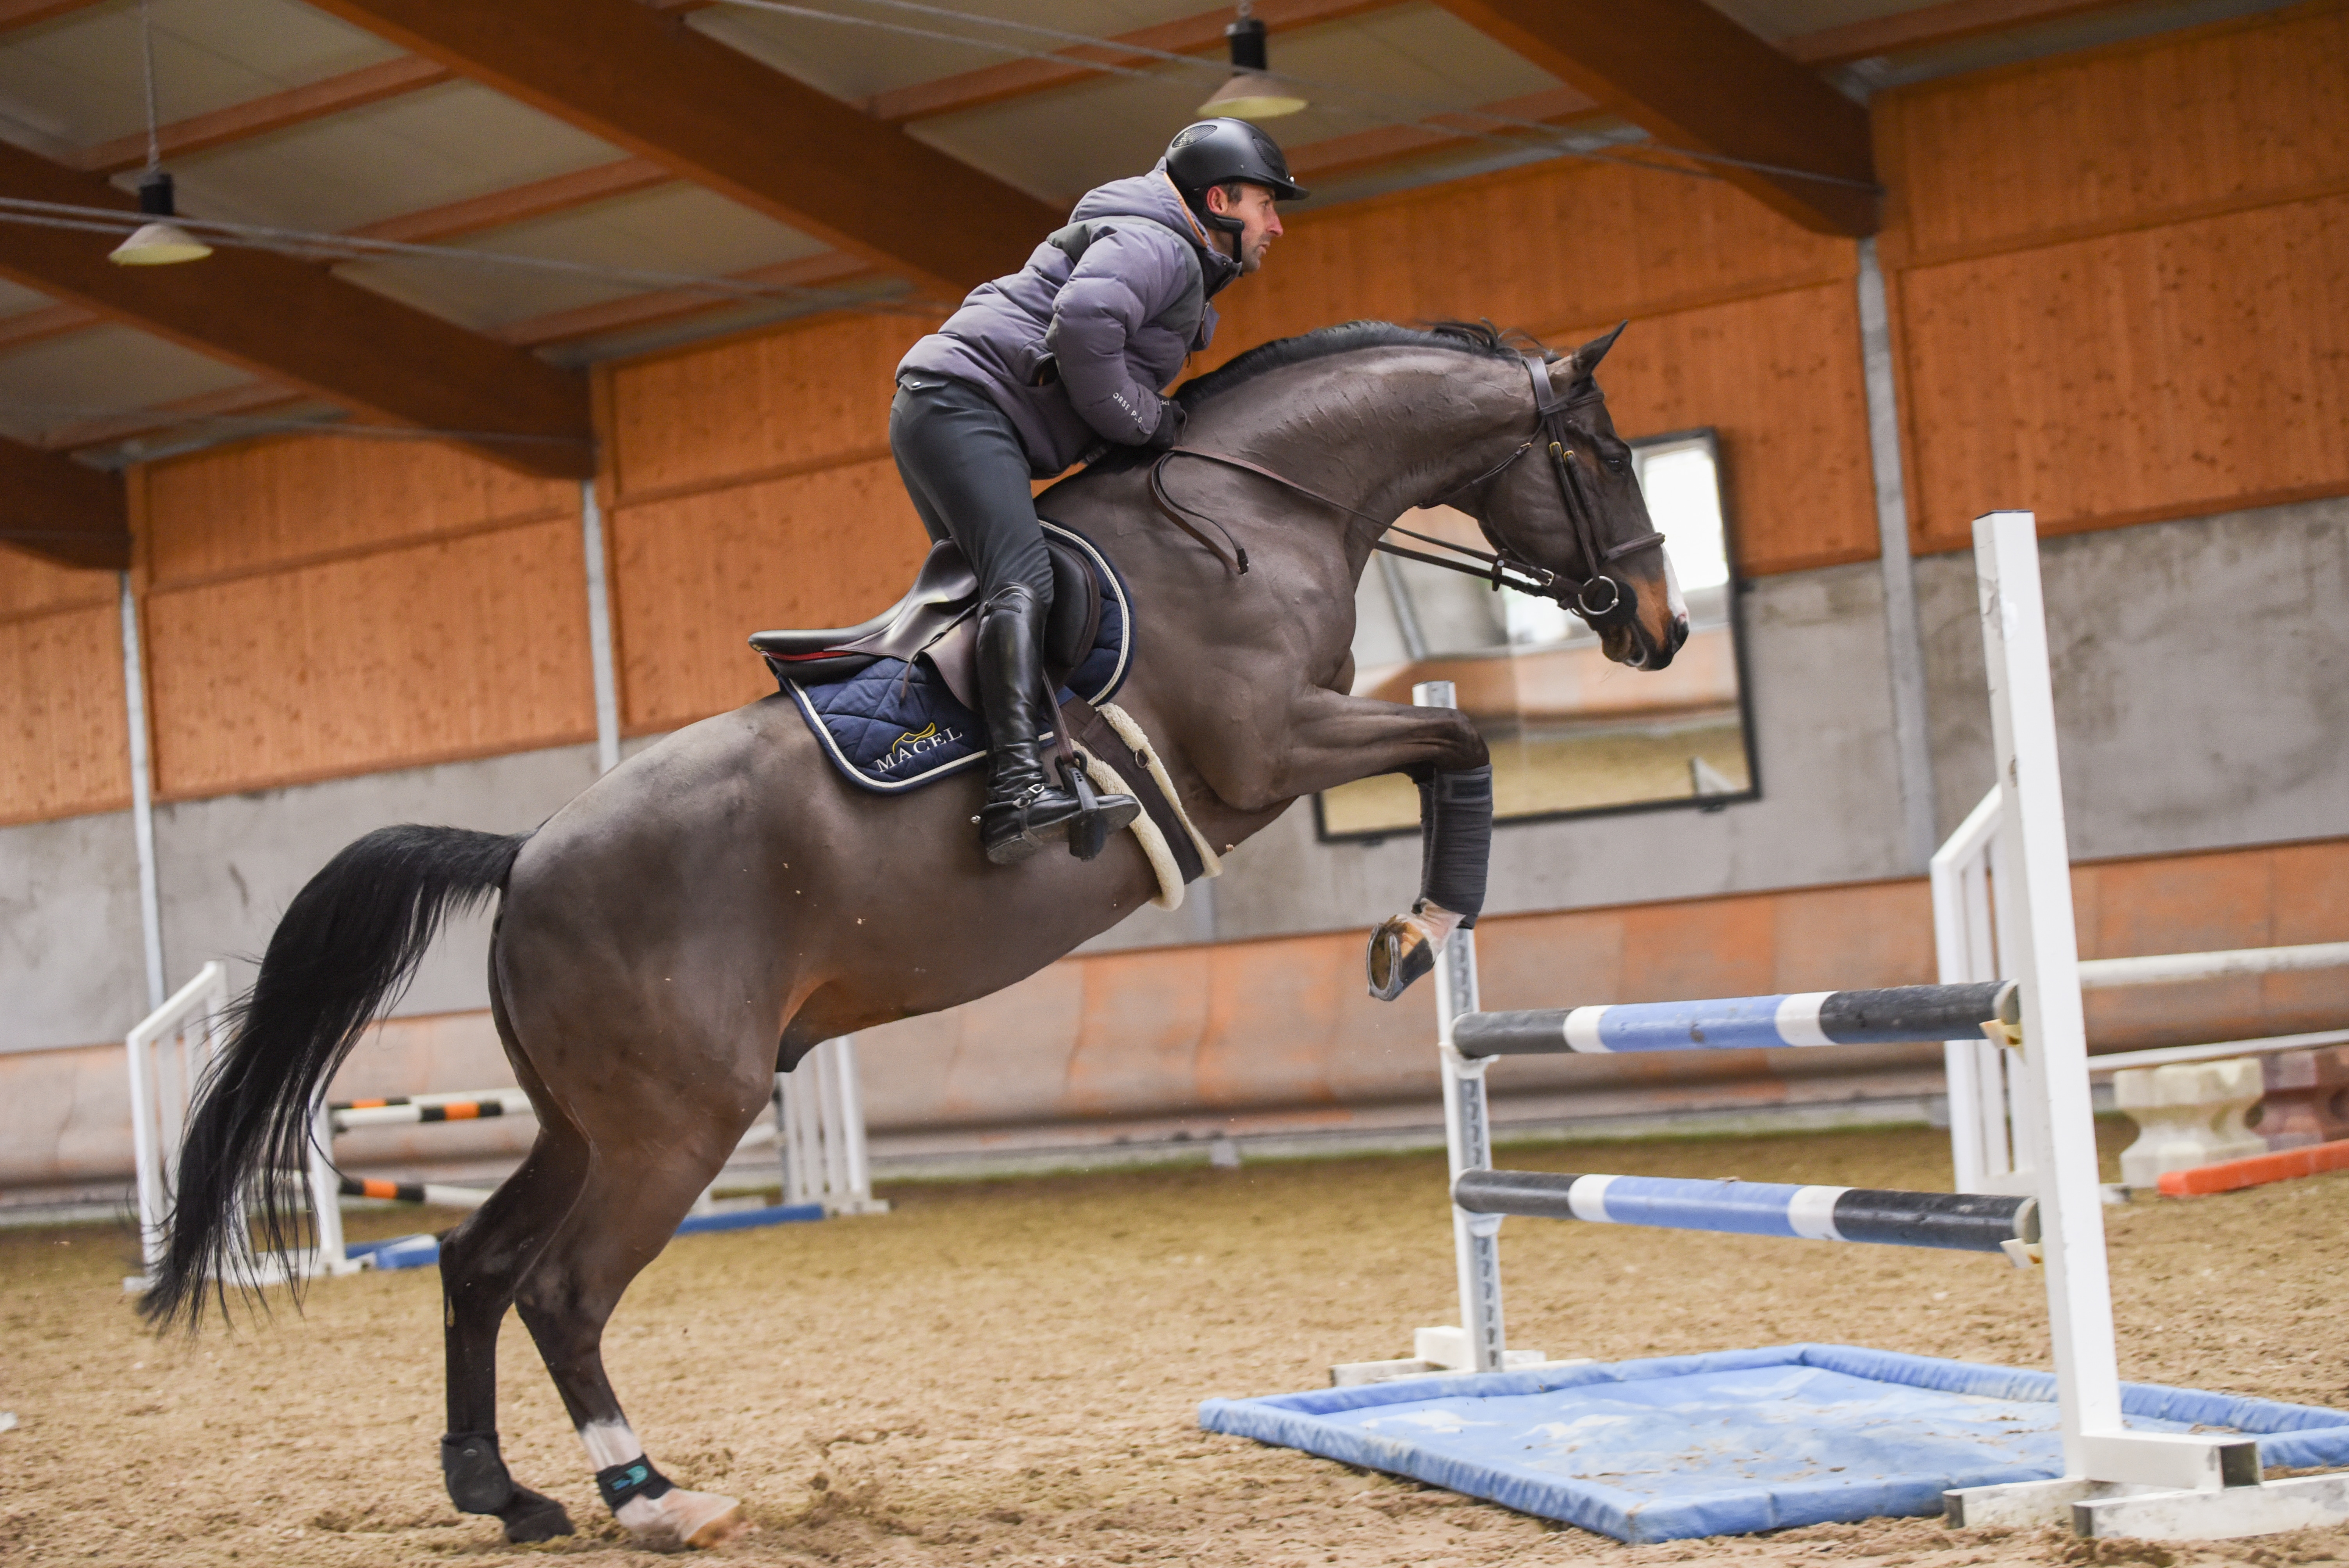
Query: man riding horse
1059, 360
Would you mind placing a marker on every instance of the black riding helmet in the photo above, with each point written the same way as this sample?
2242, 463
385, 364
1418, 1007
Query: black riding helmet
1217, 151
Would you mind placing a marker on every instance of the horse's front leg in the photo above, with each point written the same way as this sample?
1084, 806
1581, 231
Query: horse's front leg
1331, 739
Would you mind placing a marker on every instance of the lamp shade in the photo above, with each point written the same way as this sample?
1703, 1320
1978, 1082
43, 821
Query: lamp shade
158, 241
1250, 93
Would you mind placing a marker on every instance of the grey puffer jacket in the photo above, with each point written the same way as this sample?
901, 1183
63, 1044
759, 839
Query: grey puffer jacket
1075, 346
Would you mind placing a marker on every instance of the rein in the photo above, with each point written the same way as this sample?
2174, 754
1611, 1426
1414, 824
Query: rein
1499, 568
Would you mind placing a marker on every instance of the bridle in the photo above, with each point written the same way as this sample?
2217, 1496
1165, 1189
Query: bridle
1600, 599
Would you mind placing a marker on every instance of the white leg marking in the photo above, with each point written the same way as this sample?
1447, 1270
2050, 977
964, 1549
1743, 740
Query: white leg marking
610, 1443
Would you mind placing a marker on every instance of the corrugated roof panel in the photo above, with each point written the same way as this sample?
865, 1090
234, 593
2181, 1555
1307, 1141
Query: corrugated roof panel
676, 228
855, 62
109, 369
78, 79
1399, 66
422, 150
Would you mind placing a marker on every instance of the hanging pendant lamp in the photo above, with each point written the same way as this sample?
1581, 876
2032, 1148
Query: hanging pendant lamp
158, 241
1250, 93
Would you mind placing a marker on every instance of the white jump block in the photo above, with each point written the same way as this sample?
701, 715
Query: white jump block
2188, 1115
2231, 1514
1436, 1351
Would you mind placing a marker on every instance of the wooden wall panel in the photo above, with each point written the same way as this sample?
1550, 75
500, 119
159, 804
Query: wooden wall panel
1554, 245
2244, 112
1779, 379
63, 736
463, 647
2165, 372
699, 572
798, 397
302, 499
2117, 277
29, 586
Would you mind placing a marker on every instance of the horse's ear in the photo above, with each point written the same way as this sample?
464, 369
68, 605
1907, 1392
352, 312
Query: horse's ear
1586, 358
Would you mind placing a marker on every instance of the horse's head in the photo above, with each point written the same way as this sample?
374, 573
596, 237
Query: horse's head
1572, 507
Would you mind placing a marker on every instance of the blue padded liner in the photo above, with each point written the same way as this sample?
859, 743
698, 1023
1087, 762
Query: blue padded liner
891, 729
1738, 1440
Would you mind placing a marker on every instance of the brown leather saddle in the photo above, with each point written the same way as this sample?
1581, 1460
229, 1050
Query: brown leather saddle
937, 620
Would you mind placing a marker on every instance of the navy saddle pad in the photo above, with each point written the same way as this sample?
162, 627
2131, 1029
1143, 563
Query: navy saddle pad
894, 726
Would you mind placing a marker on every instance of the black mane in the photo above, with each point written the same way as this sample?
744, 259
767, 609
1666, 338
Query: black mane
1477, 337
1462, 336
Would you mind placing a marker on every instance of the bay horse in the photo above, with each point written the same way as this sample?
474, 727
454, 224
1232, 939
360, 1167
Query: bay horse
724, 891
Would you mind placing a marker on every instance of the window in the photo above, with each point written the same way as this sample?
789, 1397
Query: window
1571, 733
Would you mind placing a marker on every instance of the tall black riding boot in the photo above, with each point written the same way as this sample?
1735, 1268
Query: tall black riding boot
1024, 807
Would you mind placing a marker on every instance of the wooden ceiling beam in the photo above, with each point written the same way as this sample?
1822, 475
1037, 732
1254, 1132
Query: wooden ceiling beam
16, 13
648, 83
45, 322
271, 111
1692, 78
1384, 144
1950, 22
1197, 34
54, 507
519, 203
829, 268
288, 320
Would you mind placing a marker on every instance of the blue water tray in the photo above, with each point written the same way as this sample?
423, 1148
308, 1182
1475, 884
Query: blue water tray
1739, 1441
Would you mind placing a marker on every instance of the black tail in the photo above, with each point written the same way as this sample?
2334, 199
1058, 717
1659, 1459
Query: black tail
348, 947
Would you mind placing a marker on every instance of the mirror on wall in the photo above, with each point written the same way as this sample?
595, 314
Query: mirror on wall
1571, 733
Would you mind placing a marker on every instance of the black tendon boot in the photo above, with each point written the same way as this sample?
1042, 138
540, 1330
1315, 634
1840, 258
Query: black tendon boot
1024, 808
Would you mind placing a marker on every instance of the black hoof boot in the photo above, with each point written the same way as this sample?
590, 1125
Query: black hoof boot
1400, 954
530, 1517
478, 1483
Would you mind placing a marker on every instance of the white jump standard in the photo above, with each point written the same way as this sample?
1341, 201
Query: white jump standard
1856, 1433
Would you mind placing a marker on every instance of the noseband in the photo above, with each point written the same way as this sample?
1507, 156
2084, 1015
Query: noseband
1600, 599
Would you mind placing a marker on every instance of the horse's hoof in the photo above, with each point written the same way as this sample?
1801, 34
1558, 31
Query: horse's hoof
677, 1519
1400, 954
532, 1517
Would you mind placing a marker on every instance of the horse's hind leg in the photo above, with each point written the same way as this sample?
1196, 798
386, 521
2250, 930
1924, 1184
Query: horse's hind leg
481, 1261
629, 1211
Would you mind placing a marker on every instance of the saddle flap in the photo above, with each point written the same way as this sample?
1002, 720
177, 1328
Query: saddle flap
936, 621
942, 592
1070, 628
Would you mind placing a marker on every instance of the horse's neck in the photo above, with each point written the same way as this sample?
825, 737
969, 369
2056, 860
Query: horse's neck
1365, 442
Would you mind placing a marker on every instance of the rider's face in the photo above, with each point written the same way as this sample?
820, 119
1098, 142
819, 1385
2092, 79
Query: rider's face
1254, 210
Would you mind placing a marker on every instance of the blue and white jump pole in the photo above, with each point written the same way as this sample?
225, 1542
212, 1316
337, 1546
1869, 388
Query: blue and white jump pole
2034, 1014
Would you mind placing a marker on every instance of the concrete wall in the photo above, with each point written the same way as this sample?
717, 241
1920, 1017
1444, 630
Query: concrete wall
2201, 675
72, 959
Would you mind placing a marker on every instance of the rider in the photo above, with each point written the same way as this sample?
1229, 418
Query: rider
1047, 366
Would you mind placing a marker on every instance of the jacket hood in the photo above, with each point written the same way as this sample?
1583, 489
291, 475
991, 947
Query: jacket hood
1154, 196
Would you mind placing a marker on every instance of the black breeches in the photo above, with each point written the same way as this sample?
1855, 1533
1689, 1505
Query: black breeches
963, 465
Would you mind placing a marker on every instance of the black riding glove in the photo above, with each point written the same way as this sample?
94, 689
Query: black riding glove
1169, 432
